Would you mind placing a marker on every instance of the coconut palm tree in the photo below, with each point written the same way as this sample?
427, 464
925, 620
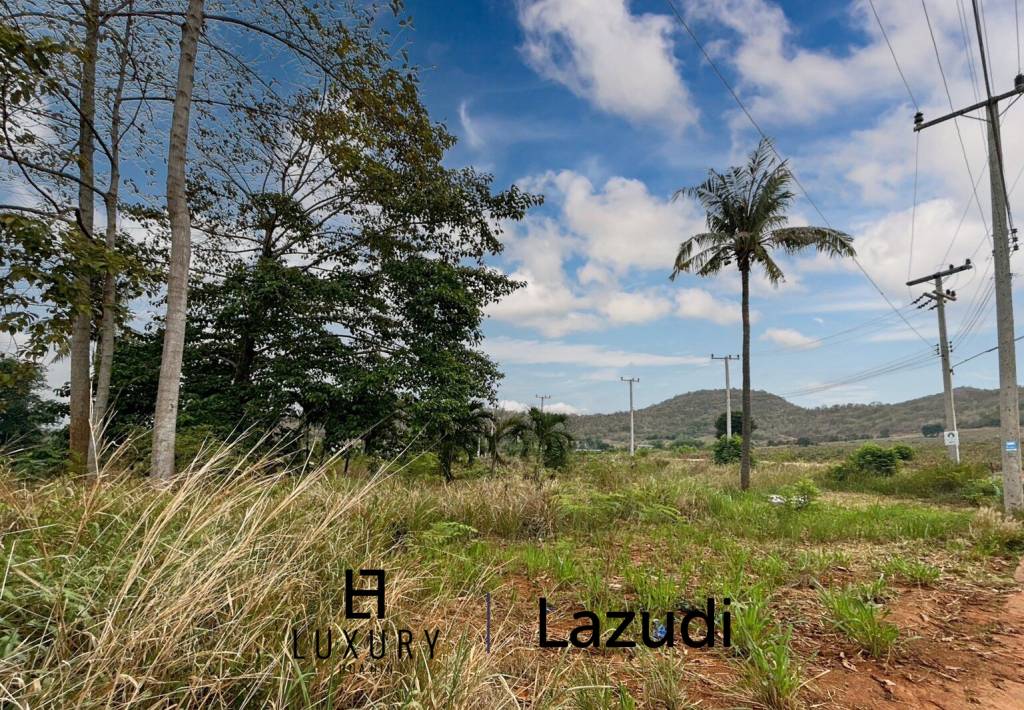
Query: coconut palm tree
746, 217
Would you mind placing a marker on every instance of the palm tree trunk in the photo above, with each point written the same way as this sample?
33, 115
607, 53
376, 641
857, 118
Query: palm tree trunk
79, 429
166, 415
745, 449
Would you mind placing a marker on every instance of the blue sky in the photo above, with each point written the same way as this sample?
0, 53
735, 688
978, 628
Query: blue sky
606, 107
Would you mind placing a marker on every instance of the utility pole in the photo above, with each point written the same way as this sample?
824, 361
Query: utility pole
631, 380
728, 391
1009, 406
542, 397
938, 299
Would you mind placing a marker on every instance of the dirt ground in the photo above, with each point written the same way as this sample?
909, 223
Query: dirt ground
963, 647
969, 653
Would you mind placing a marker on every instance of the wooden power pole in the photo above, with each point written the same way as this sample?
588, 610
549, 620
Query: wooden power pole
542, 397
938, 299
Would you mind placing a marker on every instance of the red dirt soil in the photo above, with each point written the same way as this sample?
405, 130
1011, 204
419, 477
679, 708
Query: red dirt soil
969, 653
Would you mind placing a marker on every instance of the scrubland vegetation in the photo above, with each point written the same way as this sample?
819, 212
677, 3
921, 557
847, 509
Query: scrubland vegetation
117, 592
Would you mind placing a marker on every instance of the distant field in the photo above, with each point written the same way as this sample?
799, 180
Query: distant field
119, 594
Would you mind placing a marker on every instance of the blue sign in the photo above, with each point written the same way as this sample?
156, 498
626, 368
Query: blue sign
1011, 447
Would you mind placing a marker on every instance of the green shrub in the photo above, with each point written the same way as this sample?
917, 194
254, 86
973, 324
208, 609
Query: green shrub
801, 494
727, 449
872, 458
903, 452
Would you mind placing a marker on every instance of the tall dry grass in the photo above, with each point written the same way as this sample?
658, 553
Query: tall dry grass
118, 593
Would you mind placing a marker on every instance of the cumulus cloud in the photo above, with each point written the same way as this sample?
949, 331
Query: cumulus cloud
789, 337
624, 307
538, 352
620, 62
622, 224
698, 303
511, 405
615, 228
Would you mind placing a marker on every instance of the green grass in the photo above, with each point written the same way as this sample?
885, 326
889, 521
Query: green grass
192, 588
856, 612
913, 571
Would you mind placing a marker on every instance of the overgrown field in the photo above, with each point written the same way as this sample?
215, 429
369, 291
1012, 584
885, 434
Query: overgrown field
116, 593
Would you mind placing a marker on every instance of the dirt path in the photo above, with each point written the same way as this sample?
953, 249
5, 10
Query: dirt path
969, 653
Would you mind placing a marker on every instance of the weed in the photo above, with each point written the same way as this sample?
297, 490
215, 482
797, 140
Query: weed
913, 571
854, 612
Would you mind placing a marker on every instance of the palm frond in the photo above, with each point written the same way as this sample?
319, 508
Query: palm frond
707, 244
826, 241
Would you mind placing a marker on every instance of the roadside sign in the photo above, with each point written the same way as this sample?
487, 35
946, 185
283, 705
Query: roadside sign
952, 438
1011, 447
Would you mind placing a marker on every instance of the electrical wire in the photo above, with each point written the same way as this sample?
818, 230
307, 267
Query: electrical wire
757, 127
908, 362
836, 338
895, 61
1016, 24
983, 352
956, 122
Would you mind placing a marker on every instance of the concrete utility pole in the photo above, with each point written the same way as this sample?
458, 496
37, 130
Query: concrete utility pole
728, 391
542, 397
938, 298
631, 380
1009, 406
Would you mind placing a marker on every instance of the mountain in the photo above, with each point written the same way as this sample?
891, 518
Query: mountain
692, 416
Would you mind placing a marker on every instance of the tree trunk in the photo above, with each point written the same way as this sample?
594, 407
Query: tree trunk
108, 325
80, 431
745, 449
166, 415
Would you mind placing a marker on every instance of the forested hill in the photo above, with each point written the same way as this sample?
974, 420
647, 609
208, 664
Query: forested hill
692, 415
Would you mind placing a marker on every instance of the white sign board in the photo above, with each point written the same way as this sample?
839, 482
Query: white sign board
952, 438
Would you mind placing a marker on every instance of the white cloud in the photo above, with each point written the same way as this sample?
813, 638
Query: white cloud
469, 129
623, 307
698, 303
511, 405
538, 352
788, 337
620, 62
621, 224
615, 229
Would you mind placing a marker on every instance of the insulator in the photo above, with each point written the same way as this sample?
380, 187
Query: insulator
919, 117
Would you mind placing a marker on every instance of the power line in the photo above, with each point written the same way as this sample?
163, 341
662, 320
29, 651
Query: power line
984, 352
757, 127
909, 362
829, 339
949, 97
1016, 23
893, 53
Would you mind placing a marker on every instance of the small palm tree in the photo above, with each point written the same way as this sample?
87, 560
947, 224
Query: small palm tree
746, 217
502, 430
462, 434
547, 430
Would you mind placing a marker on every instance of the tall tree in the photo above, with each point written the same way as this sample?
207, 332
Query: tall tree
80, 429
166, 414
746, 217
